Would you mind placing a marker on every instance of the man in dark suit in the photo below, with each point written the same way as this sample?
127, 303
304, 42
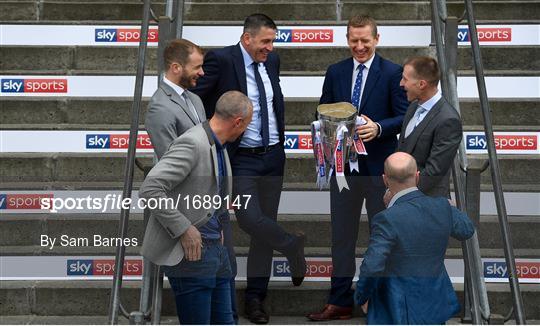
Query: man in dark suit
402, 277
371, 84
258, 157
431, 130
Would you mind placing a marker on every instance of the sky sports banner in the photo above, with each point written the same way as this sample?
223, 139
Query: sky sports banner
296, 142
319, 269
90, 202
217, 36
292, 86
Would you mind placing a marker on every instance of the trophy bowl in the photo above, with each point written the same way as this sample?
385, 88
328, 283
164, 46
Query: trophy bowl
332, 117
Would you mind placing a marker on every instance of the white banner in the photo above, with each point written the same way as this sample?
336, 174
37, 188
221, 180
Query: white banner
291, 202
319, 269
290, 36
296, 142
293, 87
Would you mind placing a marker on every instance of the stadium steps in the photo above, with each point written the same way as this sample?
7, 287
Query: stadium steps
60, 298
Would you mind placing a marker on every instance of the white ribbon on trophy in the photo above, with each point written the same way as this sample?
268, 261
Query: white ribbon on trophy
320, 163
339, 157
358, 144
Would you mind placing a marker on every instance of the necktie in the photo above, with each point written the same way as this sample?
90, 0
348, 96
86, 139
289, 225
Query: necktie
263, 105
414, 121
355, 99
191, 106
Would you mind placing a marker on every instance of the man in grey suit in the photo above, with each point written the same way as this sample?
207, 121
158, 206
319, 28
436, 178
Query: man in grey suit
173, 109
184, 232
431, 130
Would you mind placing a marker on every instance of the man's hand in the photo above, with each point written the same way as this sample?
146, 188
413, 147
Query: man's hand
368, 131
387, 197
192, 243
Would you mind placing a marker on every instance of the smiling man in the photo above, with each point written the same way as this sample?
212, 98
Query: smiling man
257, 157
371, 84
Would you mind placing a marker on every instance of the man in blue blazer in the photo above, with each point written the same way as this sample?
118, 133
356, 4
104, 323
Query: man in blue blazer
402, 276
257, 157
371, 84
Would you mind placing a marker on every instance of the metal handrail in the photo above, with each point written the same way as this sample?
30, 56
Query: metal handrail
494, 168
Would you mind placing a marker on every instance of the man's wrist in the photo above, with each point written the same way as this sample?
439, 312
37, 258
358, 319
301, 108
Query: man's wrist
380, 129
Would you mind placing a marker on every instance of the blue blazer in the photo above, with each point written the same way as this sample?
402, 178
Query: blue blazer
383, 101
224, 70
403, 274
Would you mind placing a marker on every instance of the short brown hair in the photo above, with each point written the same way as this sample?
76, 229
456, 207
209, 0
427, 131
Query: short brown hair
425, 68
361, 21
179, 50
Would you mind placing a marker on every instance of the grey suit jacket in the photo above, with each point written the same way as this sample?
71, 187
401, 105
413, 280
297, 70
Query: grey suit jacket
169, 116
434, 144
188, 168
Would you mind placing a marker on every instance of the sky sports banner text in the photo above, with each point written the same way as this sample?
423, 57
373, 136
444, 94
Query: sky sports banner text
296, 142
90, 202
319, 269
303, 36
293, 86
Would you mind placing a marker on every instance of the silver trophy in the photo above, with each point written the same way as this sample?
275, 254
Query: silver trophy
333, 129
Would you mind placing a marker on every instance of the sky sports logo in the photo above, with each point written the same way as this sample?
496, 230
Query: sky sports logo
315, 268
101, 267
524, 270
486, 35
34, 85
123, 35
504, 142
298, 142
101, 141
22, 201
304, 36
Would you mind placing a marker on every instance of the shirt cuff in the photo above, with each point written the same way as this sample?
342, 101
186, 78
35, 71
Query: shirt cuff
380, 129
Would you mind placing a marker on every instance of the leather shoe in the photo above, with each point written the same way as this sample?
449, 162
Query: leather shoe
255, 312
298, 261
331, 312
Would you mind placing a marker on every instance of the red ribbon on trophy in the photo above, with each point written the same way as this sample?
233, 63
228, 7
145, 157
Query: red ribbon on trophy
320, 163
341, 136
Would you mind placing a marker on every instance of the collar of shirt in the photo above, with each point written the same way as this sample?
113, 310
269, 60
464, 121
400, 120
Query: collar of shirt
401, 194
219, 145
247, 58
367, 64
428, 105
176, 88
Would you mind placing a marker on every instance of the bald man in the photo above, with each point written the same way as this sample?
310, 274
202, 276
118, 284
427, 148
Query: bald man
402, 275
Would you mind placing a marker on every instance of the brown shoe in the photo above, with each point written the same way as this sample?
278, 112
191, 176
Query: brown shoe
331, 312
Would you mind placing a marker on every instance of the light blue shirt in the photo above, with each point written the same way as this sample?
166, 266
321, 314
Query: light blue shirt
428, 105
252, 136
365, 73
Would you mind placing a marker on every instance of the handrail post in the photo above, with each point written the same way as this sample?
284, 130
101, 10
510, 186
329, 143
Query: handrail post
129, 167
494, 168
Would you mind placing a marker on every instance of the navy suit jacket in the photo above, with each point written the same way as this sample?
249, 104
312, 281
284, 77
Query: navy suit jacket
403, 274
383, 101
224, 70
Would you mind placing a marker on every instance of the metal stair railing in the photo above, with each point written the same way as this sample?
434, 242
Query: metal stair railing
476, 300
152, 279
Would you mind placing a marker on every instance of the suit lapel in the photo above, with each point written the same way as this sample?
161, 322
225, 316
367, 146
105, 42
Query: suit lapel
173, 95
413, 137
240, 68
347, 72
213, 150
228, 178
373, 75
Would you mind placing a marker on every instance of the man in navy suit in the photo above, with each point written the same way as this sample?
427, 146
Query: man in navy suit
257, 157
402, 276
371, 84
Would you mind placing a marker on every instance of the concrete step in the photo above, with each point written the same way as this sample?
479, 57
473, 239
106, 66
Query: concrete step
91, 298
280, 11
26, 230
109, 167
123, 60
63, 112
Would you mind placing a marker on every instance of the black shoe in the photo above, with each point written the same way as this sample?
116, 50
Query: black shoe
298, 261
255, 312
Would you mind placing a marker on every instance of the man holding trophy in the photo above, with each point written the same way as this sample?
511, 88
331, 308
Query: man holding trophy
361, 112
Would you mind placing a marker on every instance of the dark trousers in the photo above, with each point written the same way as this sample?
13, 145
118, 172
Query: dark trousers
229, 244
346, 207
261, 176
202, 288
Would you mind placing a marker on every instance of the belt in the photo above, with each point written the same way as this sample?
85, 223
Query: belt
257, 150
211, 242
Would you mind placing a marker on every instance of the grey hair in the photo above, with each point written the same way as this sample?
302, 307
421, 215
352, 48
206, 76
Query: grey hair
233, 104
